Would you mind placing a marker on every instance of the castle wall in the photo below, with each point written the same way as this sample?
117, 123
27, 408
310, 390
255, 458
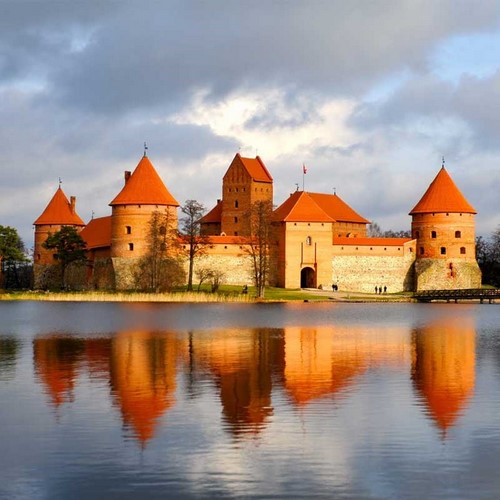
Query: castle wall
235, 266
449, 274
349, 229
362, 271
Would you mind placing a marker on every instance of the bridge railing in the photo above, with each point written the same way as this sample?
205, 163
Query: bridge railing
467, 293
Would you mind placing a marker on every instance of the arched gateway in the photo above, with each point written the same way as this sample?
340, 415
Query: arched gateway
307, 278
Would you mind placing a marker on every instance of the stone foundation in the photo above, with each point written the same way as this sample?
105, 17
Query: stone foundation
443, 274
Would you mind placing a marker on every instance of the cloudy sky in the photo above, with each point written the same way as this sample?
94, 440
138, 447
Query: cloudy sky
370, 95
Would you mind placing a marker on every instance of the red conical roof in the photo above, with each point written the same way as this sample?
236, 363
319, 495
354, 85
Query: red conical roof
144, 187
443, 196
59, 211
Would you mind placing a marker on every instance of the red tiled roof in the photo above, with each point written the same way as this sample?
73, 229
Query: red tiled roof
337, 208
59, 212
300, 207
443, 196
364, 242
215, 215
316, 207
255, 168
97, 233
228, 240
144, 187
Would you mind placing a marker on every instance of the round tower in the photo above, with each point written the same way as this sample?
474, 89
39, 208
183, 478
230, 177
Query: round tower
143, 194
443, 224
59, 212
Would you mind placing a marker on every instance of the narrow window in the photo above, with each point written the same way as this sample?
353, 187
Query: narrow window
462, 251
417, 234
443, 250
308, 240
236, 233
421, 250
131, 246
128, 229
236, 220
433, 234
235, 203
458, 234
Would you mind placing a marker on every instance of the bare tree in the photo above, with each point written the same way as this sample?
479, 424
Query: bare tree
488, 257
190, 231
161, 268
259, 217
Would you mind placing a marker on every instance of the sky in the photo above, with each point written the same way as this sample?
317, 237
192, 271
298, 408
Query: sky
369, 95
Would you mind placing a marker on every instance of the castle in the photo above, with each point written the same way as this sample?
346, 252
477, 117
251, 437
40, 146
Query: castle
318, 239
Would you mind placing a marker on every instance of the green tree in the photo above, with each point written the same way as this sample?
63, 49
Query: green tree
12, 257
193, 211
69, 248
260, 217
161, 268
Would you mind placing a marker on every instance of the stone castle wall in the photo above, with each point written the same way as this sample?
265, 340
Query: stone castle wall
439, 274
362, 273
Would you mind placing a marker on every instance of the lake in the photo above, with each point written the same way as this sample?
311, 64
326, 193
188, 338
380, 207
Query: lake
327, 400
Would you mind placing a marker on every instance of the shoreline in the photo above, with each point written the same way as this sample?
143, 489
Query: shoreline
304, 295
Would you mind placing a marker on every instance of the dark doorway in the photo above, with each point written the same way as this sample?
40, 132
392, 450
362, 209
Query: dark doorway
307, 278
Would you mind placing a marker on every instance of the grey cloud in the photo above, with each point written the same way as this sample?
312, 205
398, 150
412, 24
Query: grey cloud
472, 102
142, 55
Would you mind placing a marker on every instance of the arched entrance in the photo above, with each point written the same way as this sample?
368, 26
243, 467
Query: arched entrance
307, 278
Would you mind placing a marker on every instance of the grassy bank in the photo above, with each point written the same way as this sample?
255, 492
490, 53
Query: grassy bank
225, 294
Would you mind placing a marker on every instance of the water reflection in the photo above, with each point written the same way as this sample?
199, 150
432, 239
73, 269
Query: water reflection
9, 349
247, 368
443, 368
242, 363
143, 379
57, 361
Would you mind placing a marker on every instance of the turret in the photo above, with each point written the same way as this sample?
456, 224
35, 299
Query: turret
59, 212
443, 223
143, 193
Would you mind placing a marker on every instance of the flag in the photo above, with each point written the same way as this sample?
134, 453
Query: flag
304, 168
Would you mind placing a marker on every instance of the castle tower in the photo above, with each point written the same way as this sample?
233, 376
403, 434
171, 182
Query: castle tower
443, 223
59, 212
143, 193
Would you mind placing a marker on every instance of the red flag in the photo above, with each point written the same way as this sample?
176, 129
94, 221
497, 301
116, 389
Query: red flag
304, 169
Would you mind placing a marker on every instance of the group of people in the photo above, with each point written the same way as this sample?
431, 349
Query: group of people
379, 289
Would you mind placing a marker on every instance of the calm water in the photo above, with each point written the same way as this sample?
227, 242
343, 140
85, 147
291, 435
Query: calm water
262, 401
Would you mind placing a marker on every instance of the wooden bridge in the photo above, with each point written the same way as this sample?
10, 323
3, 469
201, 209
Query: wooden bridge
480, 294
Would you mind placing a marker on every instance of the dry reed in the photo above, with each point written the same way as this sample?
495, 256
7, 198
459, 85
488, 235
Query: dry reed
127, 297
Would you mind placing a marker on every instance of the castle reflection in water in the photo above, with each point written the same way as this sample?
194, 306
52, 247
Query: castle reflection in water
247, 367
